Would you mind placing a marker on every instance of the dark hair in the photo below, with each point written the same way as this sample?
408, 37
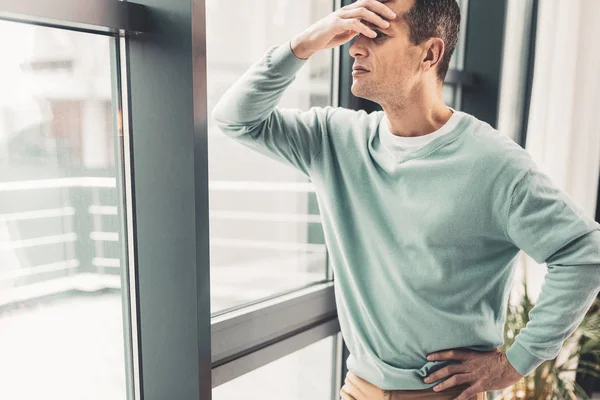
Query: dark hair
435, 18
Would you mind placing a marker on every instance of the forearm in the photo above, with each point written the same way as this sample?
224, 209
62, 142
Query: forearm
248, 112
570, 287
300, 48
254, 96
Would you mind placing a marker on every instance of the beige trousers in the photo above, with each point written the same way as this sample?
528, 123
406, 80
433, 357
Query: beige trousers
356, 388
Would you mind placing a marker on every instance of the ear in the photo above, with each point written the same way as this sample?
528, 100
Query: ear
433, 49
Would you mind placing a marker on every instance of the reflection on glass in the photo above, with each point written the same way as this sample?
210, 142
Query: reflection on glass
265, 230
304, 374
61, 325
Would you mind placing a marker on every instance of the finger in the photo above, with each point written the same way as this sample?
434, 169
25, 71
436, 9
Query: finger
373, 5
366, 14
352, 377
344, 395
453, 354
454, 380
358, 27
366, 389
352, 389
445, 372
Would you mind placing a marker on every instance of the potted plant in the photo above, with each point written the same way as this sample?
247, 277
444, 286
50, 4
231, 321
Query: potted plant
553, 380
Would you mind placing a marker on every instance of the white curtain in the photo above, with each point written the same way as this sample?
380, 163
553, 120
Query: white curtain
563, 136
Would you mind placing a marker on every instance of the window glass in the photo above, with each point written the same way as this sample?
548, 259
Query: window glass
265, 229
451, 94
456, 62
304, 374
61, 307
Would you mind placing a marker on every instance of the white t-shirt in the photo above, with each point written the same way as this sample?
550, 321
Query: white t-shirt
398, 146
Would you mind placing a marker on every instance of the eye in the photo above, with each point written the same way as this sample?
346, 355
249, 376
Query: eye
379, 35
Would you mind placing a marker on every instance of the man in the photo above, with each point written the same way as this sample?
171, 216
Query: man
424, 209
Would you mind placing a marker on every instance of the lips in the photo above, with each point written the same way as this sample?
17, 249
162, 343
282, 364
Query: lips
359, 68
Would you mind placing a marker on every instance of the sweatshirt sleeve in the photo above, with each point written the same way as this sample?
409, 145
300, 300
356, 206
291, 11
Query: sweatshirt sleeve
247, 112
546, 224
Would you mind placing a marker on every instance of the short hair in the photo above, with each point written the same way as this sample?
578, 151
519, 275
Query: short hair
435, 18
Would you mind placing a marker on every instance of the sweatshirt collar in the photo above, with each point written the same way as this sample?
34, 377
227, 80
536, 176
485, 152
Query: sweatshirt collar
463, 120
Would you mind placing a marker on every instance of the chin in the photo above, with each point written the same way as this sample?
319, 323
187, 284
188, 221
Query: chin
362, 93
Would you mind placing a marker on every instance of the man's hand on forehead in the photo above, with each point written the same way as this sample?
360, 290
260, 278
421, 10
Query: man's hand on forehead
343, 25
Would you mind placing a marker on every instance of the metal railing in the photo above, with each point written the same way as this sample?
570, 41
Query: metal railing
88, 238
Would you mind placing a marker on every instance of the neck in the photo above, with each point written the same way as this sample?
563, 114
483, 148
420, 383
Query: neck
421, 116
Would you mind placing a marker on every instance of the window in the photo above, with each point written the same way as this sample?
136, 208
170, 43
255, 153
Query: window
265, 229
108, 160
62, 268
304, 374
453, 89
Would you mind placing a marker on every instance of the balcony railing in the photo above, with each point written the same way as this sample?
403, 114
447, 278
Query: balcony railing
71, 240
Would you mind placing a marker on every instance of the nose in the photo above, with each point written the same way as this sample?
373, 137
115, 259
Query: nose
357, 46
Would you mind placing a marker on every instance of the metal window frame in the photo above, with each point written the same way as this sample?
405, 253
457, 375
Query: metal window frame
529, 74
255, 336
288, 322
102, 17
165, 162
281, 325
129, 290
169, 141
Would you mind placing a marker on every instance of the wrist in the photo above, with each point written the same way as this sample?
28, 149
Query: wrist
300, 49
516, 374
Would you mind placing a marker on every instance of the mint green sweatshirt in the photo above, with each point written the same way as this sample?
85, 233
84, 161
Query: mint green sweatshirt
423, 248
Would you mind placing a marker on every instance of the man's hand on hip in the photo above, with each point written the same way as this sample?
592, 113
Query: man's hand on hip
488, 370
